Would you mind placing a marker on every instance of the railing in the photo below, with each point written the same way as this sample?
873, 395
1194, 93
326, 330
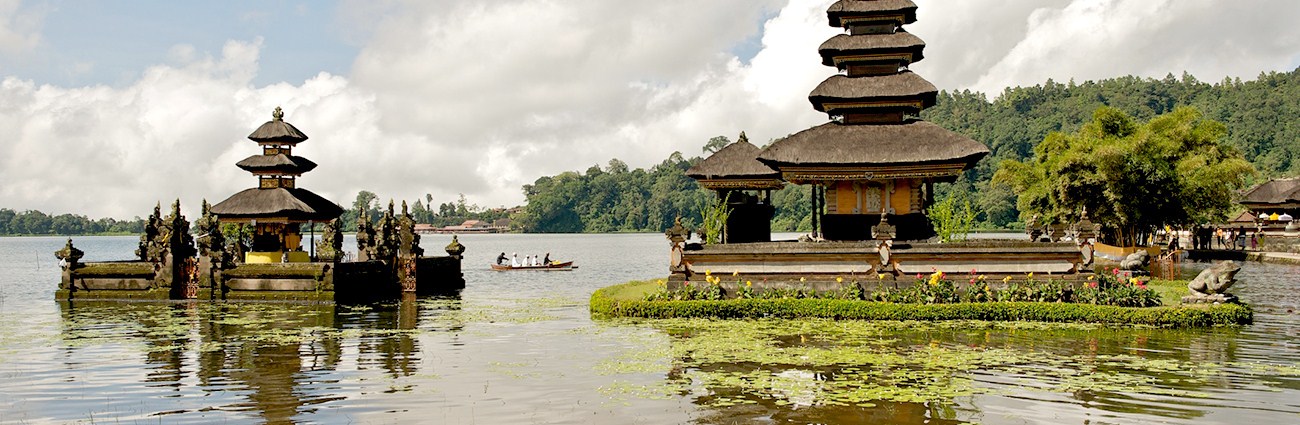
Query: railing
1167, 266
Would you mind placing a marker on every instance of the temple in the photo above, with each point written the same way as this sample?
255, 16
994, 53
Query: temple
276, 208
264, 257
871, 172
875, 157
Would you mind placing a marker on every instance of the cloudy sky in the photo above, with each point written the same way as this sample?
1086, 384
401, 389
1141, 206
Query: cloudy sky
109, 107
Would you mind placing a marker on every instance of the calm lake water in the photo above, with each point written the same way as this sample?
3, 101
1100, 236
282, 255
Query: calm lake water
522, 348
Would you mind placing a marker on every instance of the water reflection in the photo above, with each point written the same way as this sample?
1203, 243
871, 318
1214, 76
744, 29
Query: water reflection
813, 371
280, 359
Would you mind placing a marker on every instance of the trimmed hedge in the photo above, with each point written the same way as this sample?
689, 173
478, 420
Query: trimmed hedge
605, 302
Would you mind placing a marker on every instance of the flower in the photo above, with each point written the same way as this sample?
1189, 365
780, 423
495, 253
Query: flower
735, 273
1091, 284
880, 276
918, 276
708, 272
1114, 271
686, 283
1006, 279
803, 279
972, 272
983, 277
748, 283
839, 280
972, 281
1031, 275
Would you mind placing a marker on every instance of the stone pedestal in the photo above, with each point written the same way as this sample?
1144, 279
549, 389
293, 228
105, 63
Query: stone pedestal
1210, 299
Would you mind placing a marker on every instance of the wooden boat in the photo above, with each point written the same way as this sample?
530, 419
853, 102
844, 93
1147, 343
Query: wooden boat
555, 265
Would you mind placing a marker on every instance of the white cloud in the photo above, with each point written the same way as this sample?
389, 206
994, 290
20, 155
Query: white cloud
19, 27
480, 98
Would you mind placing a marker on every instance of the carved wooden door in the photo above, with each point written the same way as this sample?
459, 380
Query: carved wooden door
190, 275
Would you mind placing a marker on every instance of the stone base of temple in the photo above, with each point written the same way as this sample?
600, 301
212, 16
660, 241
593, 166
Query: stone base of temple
827, 265
346, 282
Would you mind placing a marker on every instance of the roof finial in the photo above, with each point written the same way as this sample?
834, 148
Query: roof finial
278, 115
743, 138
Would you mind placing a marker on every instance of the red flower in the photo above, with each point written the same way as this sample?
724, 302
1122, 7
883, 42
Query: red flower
1115, 271
918, 276
972, 281
1092, 284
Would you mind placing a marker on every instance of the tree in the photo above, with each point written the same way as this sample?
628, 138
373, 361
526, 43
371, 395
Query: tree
1131, 177
716, 144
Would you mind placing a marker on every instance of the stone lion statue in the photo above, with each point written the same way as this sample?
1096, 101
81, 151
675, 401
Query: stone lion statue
1136, 261
1215, 280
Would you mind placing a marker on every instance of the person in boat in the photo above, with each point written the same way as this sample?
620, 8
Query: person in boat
514, 259
501, 259
547, 261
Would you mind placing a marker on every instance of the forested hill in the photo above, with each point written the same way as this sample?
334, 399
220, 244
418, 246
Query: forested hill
1262, 116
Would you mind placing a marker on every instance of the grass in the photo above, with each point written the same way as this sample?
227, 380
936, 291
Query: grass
628, 300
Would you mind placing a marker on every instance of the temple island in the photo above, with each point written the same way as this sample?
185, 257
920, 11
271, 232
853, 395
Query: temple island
871, 172
268, 261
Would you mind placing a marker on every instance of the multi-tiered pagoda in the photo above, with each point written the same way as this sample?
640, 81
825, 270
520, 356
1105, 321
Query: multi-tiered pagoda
276, 207
876, 157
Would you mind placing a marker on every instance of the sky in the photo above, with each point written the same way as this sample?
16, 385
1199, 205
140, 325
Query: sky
107, 108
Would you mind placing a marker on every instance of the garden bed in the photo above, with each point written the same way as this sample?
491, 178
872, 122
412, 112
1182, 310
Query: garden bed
631, 300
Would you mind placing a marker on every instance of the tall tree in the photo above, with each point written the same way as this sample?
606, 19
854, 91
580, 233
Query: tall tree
1131, 177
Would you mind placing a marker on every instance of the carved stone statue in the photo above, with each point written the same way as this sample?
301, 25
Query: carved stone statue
148, 249
1032, 228
69, 255
1211, 285
455, 249
365, 238
386, 235
330, 247
1136, 261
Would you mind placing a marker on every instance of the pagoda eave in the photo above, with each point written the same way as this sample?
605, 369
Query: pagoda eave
840, 172
291, 204
773, 183
848, 12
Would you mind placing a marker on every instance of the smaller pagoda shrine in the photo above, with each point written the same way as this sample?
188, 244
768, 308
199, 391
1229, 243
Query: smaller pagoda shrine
745, 185
276, 208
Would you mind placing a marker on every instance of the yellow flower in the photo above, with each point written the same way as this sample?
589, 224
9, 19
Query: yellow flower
803, 279
748, 283
661, 282
839, 280
1006, 279
880, 276
1133, 281
982, 277
735, 273
708, 272
1031, 275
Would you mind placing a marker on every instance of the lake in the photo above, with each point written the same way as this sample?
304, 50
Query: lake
521, 347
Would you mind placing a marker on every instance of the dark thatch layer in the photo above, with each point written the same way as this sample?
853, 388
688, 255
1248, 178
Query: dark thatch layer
867, 8
1273, 192
846, 45
292, 203
904, 85
734, 160
914, 142
281, 163
277, 131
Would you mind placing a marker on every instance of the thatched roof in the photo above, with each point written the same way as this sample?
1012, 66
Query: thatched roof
1273, 192
291, 203
278, 163
905, 85
736, 160
848, 45
277, 130
908, 143
870, 8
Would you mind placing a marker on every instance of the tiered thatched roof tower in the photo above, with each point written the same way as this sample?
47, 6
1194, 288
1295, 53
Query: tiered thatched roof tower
277, 206
875, 157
